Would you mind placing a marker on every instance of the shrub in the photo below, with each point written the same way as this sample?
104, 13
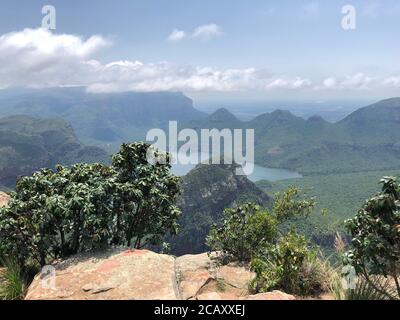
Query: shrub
280, 260
53, 214
375, 234
291, 266
247, 231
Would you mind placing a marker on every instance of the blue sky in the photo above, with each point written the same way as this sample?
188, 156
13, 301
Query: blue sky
267, 49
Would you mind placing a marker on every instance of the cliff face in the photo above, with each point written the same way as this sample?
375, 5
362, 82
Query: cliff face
121, 274
207, 191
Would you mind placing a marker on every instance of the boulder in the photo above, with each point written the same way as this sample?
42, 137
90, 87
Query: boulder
111, 275
200, 277
193, 273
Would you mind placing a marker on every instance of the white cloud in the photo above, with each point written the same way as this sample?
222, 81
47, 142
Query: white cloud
393, 81
207, 31
40, 58
37, 57
358, 81
281, 83
177, 35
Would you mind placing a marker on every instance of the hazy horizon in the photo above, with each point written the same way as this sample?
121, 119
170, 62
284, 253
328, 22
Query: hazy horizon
294, 51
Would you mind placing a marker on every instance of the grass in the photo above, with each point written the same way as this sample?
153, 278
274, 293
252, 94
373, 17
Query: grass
12, 281
221, 285
364, 290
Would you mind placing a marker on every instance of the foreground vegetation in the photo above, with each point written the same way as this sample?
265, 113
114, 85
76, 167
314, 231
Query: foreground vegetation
341, 194
267, 240
55, 214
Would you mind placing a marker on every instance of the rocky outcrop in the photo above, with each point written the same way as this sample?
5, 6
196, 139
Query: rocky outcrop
4, 198
206, 191
144, 275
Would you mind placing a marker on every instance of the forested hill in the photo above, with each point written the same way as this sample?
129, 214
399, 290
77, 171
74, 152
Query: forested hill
366, 140
28, 144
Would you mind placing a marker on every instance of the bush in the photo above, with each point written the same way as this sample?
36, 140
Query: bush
292, 267
54, 214
280, 260
245, 232
375, 232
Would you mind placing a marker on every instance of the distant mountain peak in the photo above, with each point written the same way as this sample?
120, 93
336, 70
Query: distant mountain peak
316, 118
223, 113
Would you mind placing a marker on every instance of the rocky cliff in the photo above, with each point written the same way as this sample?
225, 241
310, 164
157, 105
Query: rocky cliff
121, 274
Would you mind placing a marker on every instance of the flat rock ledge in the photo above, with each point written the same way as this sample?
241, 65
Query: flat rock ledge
120, 274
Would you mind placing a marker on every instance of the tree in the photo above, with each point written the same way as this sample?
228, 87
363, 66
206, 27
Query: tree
375, 232
145, 196
54, 214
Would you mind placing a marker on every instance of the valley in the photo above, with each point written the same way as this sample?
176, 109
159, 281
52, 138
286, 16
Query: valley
339, 164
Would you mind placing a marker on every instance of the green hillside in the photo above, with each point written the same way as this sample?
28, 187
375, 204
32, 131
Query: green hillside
341, 194
366, 140
28, 144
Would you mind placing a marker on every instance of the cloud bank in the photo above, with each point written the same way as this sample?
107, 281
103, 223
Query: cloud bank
39, 58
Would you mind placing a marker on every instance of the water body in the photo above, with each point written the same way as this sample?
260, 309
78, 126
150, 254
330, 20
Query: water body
259, 173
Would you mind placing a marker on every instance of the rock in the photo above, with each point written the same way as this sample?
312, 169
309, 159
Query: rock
4, 198
120, 274
209, 296
193, 273
201, 278
274, 295
111, 275
235, 276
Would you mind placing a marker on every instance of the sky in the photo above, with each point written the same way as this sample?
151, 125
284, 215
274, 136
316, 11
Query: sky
257, 49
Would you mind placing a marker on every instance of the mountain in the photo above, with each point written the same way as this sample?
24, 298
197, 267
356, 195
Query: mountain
378, 123
102, 118
220, 119
207, 191
368, 139
28, 144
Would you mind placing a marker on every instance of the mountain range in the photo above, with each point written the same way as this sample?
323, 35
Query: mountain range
368, 139
105, 120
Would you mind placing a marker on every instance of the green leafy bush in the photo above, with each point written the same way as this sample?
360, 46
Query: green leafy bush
281, 260
54, 214
292, 267
246, 231
375, 232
